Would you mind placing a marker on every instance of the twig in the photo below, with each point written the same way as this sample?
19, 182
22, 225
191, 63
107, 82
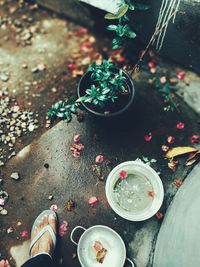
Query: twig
157, 31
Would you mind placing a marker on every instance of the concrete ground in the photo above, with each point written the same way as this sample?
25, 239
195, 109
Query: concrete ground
35, 69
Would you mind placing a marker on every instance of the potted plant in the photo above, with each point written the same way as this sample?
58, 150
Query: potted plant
104, 90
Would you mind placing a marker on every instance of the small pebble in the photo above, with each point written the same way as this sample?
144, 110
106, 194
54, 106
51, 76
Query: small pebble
15, 176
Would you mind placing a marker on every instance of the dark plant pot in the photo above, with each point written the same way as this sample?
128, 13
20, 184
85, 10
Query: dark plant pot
85, 83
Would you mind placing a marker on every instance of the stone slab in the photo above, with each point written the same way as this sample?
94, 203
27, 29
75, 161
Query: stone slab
178, 243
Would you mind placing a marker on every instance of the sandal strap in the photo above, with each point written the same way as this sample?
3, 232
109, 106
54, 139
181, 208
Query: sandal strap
45, 229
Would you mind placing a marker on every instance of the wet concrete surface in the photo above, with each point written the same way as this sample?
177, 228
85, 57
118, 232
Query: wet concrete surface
70, 178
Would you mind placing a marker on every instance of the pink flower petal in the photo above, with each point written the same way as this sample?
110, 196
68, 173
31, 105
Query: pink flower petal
63, 228
123, 175
54, 207
77, 138
4, 263
194, 139
24, 234
99, 159
2, 202
180, 74
151, 64
71, 66
148, 137
81, 31
180, 125
170, 139
93, 201
76, 154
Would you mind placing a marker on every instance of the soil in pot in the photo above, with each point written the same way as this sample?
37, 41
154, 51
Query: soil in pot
133, 194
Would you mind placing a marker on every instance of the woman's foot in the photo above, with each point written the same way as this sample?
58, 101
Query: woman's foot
45, 242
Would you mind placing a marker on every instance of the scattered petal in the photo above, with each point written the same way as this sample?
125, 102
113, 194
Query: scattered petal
63, 228
54, 207
151, 194
170, 139
24, 234
81, 31
10, 230
193, 157
148, 137
180, 150
173, 165
99, 159
123, 175
77, 138
195, 139
76, 154
178, 182
159, 215
180, 125
180, 74
151, 64
165, 148
4, 263
93, 201
163, 79
2, 202
71, 66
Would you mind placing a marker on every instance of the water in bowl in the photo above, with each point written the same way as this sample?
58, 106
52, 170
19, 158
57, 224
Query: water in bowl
135, 193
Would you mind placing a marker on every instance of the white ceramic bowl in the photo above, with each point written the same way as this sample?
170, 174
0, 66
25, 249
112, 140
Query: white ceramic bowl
139, 167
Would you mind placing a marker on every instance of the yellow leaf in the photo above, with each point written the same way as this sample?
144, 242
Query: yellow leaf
179, 150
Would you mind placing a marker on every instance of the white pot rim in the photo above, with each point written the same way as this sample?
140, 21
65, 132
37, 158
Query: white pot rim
155, 181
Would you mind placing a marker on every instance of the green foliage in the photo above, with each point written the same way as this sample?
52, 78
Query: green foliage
64, 109
122, 29
167, 90
107, 83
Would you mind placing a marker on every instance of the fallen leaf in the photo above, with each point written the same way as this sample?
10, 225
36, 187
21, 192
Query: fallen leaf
63, 228
159, 215
180, 125
24, 234
123, 175
99, 159
178, 182
180, 150
70, 205
93, 201
173, 165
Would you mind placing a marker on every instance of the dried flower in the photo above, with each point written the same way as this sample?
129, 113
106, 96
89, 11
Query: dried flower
123, 175
151, 64
70, 205
178, 182
159, 215
151, 193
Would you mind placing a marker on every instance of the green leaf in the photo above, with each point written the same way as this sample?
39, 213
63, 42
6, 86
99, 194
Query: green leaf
110, 16
112, 27
116, 43
131, 34
122, 11
142, 6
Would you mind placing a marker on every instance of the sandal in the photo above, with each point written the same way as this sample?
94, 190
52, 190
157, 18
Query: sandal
45, 229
